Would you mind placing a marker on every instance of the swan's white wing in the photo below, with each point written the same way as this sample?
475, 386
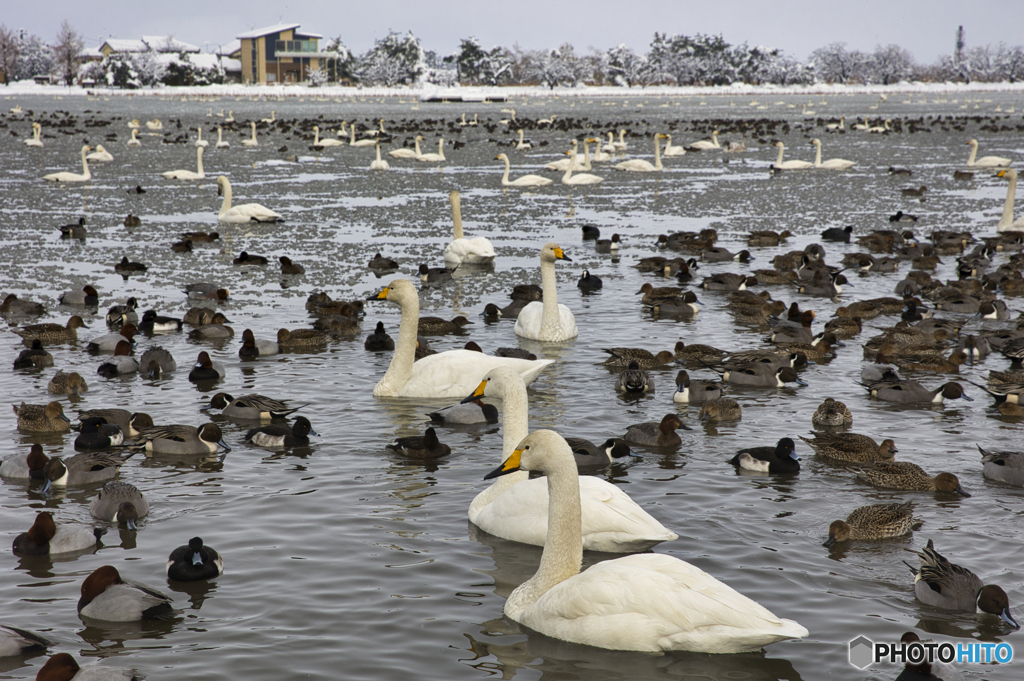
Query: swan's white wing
476, 251
655, 602
456, 373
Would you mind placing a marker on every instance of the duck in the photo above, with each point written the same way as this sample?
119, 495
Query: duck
106, 596
47, 538
39, 418
589, 282
199, 174
608, 245
252, 348
778, 460
832, 163
689, 390
281, 436
245, 213
108, 342
215, 329
634, 380
425, 446
379, 340
252, 141
435, 275
720, 409
469, 413
908, 476
378, 262
851, 447
87, 468
206, 291
250, 407
86, 297
624, 357
121, 364
524, 180
297, 339
67, 384
206, 369
119, 315
985, 161
180, 439
101, 155
516, 507
128, 422
756, 374
548, 321
840, 234
120, 502
588, 455
35, 356
463, 251
96, 433
25, 467
647, 602
155, 323
716, 254
942, 584
454, 373
62, 667
656, 433
84, 176
877, 521
194, 562
14, 306
832, 412
789, 165
1006, 221
906, 392
14, 641
1005, 467
49, 333
638, 165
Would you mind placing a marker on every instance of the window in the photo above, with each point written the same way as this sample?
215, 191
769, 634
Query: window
295, 46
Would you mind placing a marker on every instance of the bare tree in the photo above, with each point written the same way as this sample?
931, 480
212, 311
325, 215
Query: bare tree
65, 52
10, 49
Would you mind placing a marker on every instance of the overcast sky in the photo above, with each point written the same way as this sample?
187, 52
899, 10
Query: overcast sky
925, 27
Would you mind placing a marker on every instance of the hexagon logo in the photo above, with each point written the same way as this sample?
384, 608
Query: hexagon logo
861, 652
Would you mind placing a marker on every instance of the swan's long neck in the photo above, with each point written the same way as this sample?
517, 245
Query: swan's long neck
611, 138
225, 206
657, 154
85, 163
778, 161
622, 136
220, 135
418, 152
352, 129
504, 179
549, 287
457, 213
563, 547
378, 152
316, 136
1011, 190
520, 136
515, 425
199, 131
974, 152
254, 131
400, 370
714, 138
440, 149
817, 154
199, 161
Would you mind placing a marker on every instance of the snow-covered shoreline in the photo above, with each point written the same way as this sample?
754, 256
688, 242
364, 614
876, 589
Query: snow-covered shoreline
24, 88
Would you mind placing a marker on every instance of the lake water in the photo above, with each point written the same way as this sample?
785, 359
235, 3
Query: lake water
345, 561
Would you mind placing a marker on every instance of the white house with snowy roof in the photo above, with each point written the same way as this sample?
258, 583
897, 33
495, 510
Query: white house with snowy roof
279, 54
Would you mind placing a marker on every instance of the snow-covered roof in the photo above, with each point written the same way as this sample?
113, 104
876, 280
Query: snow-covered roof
230, 47
125, 45
259, 32
168, 43
91, 53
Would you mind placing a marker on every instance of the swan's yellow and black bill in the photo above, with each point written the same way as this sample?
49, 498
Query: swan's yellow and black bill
381, 295
560, 255
1001, 173
511, 465
477, 394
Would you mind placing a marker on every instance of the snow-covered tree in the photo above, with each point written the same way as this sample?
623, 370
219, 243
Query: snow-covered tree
341, 65
10, 50
316, 77
181, 71
65, 52
477, 66
393, 60
625, 67
1010, 62
36, 58
889, 64
700, 59
835, 64
555, 67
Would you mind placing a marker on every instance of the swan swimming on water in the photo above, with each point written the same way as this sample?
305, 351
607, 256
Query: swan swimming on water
638, 165
251, 142
463, 251
188, 174
525, 180
1006, 222
247, 212
985, 161
83, 176
830, 164
379, 163
35, 140
547, 321
408, 153
790, 165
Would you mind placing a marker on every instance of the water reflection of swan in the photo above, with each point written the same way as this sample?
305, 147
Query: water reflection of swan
525, 180
516, 508
1007, 223
646, 602
832, 163
548, 320
461, 250
66, 176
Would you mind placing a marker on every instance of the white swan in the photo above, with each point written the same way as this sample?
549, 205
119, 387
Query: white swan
985, 161
790, 165
272, 119
434, 158
200, 142
582, 178
646, 602
599, 155
1007, 223
547, 320
188, 174
516, 508
610, 147
353, 142
832, 163
582, 160
881, 128
408, 153
247, 212
525, 180
522, 145
706, 145
547, 121
454, 373
379, 164
621, 144
461, 251
639, 165
84, 176
134, 141
230, 118
36, 139
834, 127
134, 124
101, 155
154, 124
252, 141
221, 144
327, 141
673, 150
861, 126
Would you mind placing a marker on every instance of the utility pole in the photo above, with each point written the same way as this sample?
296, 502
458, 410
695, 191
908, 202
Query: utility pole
958, 53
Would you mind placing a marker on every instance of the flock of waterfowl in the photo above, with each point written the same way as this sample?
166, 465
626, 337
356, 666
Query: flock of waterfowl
643, 602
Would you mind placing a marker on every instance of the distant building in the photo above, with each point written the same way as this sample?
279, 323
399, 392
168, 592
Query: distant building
279, 54
154, 43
